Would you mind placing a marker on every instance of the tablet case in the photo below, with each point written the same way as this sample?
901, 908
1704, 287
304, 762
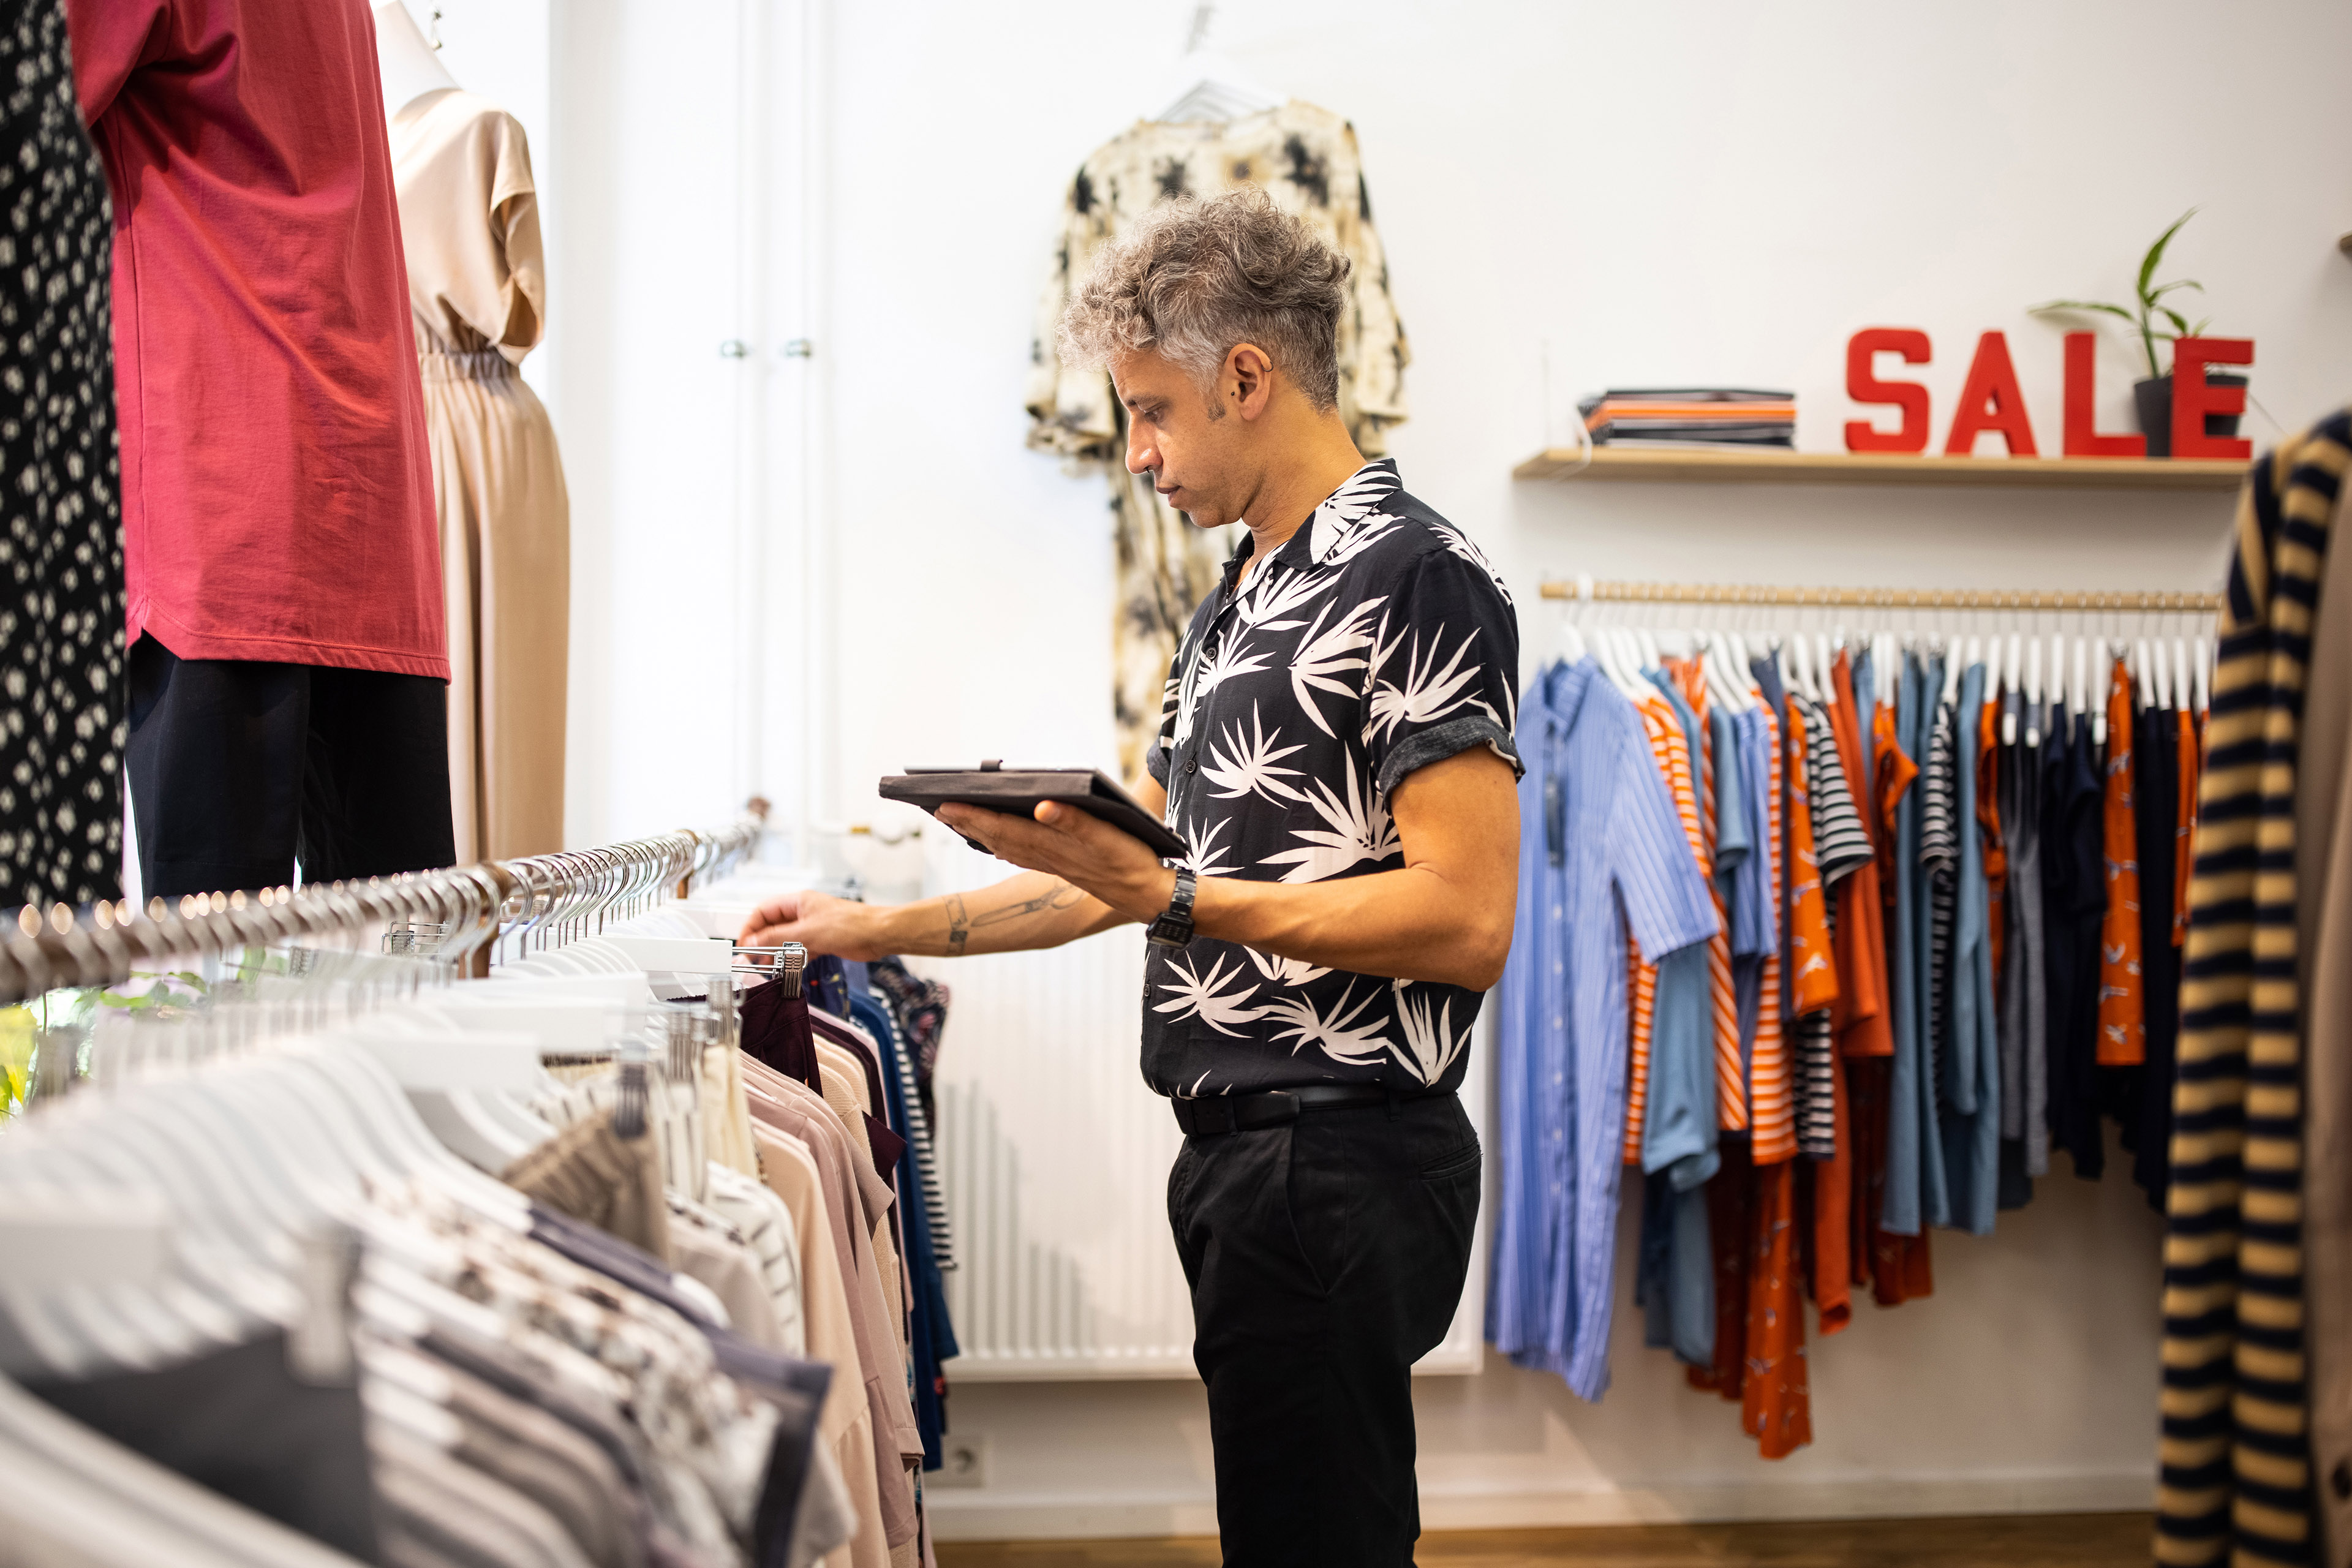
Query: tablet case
1017, 792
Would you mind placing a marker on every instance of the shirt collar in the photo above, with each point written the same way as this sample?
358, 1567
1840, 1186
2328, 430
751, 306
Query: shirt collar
1338, 515
1564, 688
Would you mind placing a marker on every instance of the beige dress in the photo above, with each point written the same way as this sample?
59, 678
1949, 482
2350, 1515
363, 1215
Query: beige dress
469, 224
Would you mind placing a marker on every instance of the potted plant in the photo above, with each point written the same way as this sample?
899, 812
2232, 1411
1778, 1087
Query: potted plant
2152, 396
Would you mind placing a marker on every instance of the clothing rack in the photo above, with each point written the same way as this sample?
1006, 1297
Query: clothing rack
1586, 590
452, 920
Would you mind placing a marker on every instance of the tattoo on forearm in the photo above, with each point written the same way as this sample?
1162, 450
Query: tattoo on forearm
962, 923
959, 928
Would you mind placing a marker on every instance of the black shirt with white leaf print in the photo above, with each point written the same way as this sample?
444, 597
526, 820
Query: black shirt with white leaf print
1376, 641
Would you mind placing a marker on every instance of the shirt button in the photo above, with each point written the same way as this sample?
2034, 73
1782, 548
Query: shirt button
2339, 1480
1192, 764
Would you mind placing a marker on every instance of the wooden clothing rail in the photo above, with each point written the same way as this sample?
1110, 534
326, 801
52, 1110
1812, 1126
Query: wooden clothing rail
1988, 599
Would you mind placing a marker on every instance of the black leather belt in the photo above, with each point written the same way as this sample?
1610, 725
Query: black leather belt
1217, 1115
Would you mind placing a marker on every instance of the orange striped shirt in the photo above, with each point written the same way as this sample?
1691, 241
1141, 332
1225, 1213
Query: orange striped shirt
1672, 749
1773, 1108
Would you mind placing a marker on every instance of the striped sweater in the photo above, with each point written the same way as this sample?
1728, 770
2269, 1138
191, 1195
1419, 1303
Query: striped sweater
2235, 1473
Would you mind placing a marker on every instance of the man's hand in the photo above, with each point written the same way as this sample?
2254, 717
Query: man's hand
1077, 846
819, 922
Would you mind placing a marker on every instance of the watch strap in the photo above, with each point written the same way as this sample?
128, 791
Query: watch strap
1174, 928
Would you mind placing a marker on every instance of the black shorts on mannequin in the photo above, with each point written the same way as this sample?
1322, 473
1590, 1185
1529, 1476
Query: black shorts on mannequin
1325, 1257
240, 768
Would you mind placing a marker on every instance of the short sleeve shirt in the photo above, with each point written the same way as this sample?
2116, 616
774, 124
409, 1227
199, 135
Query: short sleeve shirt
276, 481
1376, 641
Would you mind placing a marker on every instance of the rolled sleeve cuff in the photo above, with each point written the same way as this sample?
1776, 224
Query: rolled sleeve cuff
1440, 742
1157, 762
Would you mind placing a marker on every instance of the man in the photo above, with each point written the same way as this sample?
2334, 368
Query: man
1336, 749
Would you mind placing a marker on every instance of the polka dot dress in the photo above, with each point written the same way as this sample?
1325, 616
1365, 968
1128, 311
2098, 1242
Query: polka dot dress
62, 724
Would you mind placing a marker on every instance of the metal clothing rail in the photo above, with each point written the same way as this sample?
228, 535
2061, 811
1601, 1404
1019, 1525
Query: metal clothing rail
1585, 590
448, 919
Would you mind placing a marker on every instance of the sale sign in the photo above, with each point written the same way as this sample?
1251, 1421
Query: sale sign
1991, 401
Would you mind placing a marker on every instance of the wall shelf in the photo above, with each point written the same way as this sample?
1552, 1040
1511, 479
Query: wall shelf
1659, 465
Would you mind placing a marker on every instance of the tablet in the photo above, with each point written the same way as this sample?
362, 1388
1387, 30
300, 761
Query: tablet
1017, 792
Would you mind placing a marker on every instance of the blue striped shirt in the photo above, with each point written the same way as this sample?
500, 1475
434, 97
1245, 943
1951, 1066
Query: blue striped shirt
1602, 850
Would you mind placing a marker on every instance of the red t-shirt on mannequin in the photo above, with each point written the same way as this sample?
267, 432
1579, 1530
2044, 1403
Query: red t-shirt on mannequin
276, 491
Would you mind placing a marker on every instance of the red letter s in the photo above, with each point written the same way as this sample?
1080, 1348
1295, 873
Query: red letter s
1861, 350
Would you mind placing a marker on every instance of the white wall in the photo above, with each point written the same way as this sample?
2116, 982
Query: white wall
1632, 194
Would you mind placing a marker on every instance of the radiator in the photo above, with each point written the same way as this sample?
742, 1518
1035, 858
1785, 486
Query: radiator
1055, 1157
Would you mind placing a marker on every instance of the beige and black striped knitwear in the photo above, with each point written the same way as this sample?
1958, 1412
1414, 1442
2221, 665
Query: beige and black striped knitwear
2234, 1462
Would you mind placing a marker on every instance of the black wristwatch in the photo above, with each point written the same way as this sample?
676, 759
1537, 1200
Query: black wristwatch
1174, 926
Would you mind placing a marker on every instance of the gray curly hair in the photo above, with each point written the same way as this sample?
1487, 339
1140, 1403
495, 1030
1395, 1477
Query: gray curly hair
1194, 277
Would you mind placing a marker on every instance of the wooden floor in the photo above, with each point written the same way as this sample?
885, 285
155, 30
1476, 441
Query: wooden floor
2046, 1540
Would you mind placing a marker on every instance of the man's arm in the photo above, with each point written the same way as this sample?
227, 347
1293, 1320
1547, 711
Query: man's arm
1445, 916
1031, 911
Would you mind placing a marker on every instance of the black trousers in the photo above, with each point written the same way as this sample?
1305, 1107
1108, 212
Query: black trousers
1325, 1257
240, 768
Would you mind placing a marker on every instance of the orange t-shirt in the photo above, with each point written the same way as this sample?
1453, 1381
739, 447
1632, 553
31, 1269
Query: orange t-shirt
1815, 983
1996, 856
1891, 776
2123, 1028
1775, 1403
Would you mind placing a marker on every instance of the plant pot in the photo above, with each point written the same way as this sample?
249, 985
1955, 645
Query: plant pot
2153, 399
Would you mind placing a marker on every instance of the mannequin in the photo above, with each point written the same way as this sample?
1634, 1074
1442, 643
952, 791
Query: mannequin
409, 66
478, 296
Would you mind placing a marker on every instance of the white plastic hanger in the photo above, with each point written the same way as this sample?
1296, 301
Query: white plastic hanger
1219, 91
1571, 649
1723, 689
2202, 670
2032, 693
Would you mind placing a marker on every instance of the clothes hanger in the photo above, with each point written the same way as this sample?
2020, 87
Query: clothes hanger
2202, 669
1219, 91
1570, 647
2032, 693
